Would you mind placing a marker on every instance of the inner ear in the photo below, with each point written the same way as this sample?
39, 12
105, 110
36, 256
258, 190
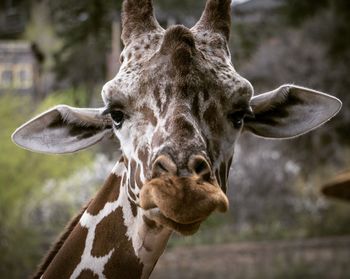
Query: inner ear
290, 111
63, 129
79, 129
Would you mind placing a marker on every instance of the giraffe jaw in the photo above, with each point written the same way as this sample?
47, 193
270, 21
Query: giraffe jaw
184, 229
181, 203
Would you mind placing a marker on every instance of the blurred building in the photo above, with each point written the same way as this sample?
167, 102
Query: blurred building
20, 67
20, 61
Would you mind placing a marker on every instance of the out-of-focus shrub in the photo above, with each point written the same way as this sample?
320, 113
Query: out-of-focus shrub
22, 176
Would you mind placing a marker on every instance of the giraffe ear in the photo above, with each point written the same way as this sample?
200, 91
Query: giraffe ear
63, 129
290, 111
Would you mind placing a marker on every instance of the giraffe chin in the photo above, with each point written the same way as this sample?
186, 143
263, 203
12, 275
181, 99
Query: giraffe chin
183, 229
181, 203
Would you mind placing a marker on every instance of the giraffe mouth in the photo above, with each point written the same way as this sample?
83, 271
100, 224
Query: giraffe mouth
183, 228
181, 203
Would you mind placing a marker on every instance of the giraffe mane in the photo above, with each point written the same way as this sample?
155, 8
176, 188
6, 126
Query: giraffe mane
55, 248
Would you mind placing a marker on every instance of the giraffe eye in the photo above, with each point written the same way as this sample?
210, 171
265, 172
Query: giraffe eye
118, 118
237, 118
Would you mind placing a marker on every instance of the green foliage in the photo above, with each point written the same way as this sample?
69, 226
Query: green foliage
84, 26
72, 97
22, 175
39, 29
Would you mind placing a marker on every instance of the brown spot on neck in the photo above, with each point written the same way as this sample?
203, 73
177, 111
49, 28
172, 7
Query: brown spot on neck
69, 256
111, 234
108, 193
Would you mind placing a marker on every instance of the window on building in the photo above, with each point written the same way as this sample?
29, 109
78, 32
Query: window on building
24, 77
7, 78
16, 76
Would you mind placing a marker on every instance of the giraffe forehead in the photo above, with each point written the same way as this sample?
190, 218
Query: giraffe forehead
146, 71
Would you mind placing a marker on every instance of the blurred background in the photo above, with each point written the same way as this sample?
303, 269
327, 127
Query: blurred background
279, 224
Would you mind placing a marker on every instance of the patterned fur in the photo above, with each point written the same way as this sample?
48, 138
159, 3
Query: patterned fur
177, 107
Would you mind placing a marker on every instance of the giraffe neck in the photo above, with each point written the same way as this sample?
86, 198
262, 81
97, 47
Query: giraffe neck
113, 239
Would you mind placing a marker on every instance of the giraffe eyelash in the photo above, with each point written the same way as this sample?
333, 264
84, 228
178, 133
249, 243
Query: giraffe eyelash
113, 106
106, 111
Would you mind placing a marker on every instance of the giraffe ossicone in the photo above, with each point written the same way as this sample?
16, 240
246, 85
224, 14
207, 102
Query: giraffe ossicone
177, 107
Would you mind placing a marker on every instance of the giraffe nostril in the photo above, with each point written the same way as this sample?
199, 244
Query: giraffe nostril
200, 166
163, 165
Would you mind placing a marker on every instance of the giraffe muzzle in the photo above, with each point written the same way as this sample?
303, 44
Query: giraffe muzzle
181, 203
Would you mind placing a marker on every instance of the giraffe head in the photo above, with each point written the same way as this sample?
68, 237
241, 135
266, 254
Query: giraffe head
177, 107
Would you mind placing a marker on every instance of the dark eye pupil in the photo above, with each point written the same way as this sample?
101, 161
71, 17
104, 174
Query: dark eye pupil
118, 117
237, 123
237, 119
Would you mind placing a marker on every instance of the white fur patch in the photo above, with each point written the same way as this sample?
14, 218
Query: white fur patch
95, 264
89, 221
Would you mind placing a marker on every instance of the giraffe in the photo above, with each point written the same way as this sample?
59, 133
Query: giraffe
176, 107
